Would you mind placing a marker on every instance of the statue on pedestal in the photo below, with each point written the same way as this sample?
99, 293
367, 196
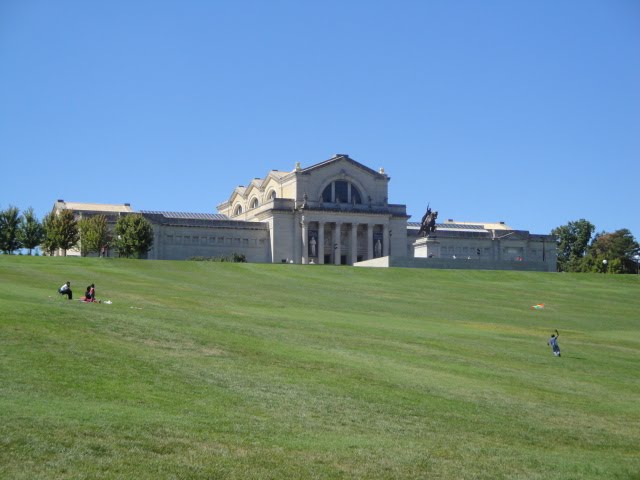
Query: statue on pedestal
378, 249
312, 243
428, 223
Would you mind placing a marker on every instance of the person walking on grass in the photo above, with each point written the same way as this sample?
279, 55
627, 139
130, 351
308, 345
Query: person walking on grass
553, 342
66, 290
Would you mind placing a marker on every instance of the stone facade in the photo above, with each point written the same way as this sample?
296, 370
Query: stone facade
486, 243
334, 212
179, 236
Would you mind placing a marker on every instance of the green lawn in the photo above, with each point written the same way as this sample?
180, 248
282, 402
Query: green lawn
245, 371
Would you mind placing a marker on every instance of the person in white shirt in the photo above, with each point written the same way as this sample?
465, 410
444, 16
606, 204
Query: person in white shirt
66, 290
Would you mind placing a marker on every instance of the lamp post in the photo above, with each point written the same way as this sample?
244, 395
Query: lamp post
636, 258
604, 264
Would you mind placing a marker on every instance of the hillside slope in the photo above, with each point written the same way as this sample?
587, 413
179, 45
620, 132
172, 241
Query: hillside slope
217, 370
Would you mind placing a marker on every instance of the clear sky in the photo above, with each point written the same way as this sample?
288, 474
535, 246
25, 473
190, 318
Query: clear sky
526, 112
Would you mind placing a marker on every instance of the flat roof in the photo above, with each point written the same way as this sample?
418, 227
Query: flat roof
465, 226
187, 215
96, 207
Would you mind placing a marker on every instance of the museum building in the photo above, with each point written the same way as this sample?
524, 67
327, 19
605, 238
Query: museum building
334, 212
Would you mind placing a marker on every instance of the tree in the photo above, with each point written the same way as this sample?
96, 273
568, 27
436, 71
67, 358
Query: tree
94, 233
68, 234
49, 242
31, 231
617, 248
9, 229
133, 236
573, 241
60, 232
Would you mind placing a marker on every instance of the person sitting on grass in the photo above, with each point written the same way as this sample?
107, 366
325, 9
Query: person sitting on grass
90, 294
87, 295
66, 290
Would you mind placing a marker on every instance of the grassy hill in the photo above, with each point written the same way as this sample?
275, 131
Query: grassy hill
243, 371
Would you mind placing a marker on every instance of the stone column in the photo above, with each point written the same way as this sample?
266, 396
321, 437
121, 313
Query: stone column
294, 254
320, 245
336, 244
369, 241
305, 247
385, 240
354, 243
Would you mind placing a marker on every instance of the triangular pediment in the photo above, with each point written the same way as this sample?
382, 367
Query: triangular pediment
270, 183
344, 159
254, 189
237, 192
273, 176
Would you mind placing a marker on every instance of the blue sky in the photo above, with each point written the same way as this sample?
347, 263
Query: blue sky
526, 112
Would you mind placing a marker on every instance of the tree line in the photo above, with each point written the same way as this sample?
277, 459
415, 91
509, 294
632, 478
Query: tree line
132, 235
579, 250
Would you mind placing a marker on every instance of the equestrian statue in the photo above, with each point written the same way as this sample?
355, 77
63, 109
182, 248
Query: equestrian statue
428, 223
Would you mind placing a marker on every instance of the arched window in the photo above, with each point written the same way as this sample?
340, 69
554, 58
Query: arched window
272, 195
341, 191
254, 203
355, 195
237, 210
327, 195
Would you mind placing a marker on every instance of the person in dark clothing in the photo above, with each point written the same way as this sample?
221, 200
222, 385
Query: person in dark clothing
66, 290
553, 342
87, 295
90, 294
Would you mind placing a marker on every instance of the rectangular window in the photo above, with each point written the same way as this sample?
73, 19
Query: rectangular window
245, 242
220, 240
169, 238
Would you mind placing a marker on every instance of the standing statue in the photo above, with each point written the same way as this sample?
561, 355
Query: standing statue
312, 243
428, 223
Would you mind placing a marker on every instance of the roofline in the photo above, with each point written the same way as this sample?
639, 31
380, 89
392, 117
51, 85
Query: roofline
94, 207
341, 156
